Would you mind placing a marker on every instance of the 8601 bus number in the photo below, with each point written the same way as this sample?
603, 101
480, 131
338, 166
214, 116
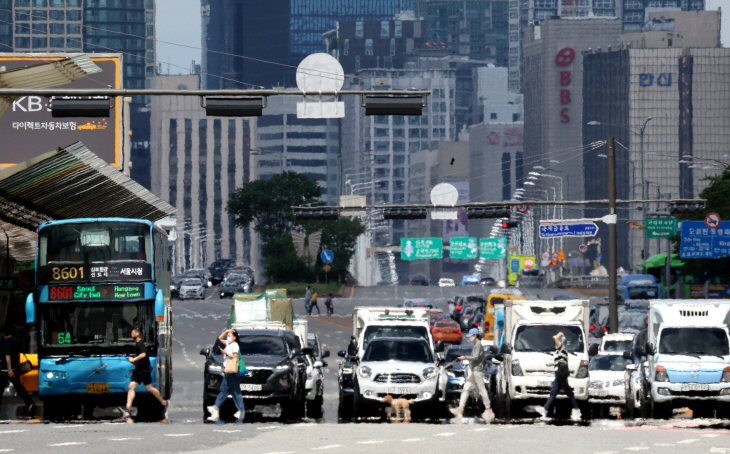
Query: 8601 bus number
68, 272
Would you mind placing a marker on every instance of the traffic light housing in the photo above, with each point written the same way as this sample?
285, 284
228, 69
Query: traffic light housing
89, 108
405, 213
510, 224
234, 107
679, 209
390, 105
488, 212
319, 214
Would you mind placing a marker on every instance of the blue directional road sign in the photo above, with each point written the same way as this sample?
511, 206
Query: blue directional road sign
700, 241
561, 230
327, 256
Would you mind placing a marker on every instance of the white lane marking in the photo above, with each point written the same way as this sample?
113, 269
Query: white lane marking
637, 448
480, 430
371, 442
663, 444
711, 435
70, 443
607, 452
327, 335
326, 447
12, 431
690, 440
6, 450
67, 427
720, 450
124, 439
444, 434
227, 431
281, 452
177, 435
267, 427
412, 439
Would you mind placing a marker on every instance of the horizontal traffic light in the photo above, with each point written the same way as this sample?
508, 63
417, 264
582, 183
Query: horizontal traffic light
685, 208
488, 212
90, 108
405, 213
510, 224
322, 214
388, 105
234, 107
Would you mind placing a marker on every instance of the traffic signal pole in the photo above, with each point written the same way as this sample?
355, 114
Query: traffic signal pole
612, 238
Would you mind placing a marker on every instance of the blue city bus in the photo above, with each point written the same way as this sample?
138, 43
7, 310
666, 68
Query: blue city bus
95, 279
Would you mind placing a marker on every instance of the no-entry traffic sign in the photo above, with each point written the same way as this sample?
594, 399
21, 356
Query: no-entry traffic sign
712, 220
522, 208
582, 248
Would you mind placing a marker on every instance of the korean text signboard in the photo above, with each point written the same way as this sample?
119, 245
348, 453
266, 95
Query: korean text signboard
421, 248
661, 227
463, 248
563, 230
29, 130
493, 248
700, 241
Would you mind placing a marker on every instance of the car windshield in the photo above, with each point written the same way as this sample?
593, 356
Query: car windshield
395, 331
396, 350
260, 345
630, 321
193, 282
612, 362
446, 324
234, 282
616, 345
694, 341
453, 353
177, 280
539, 338
312, 343
642, 292
220, 264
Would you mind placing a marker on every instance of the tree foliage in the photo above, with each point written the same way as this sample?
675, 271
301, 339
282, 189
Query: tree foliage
717, 195
267, 203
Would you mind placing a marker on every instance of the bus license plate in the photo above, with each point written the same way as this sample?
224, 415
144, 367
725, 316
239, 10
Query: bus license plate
399, 391
247, 387
598, 393
97, 388
695, 387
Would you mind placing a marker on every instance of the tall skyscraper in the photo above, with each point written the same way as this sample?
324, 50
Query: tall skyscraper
278, 31
37, 26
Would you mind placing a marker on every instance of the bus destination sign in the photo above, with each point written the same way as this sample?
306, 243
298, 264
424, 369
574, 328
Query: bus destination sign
103, 272
95, 292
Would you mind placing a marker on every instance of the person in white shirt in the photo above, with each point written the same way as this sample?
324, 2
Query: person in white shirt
230, 384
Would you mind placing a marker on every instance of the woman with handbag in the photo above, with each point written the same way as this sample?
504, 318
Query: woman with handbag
13, 368
231, 384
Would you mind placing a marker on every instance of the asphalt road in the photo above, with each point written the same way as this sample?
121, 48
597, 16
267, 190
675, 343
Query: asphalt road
197, 323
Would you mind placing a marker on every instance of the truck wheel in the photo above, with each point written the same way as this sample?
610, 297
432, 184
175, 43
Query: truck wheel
645, 406
661, 410
314, 408
630, 409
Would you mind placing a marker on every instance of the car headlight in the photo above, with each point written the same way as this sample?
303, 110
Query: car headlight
364, 371
582, 370
661, 374
429, 372
516, 369
725, 375
282, 366
619, 382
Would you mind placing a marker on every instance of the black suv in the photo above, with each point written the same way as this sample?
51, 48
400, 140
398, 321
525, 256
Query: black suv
276, 373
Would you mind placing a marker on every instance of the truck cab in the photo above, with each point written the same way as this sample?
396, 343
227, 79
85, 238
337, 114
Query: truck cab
688, 352
527, 371
640, 287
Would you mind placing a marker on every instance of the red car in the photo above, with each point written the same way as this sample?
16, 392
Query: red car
446, 331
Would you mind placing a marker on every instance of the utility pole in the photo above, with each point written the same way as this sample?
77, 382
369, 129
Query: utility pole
612, 249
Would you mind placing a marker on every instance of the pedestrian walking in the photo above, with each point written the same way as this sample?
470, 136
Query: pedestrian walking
328, 304
476, 378
142, 373
231, 383
562, 372
313, 303
10, 364
308, 300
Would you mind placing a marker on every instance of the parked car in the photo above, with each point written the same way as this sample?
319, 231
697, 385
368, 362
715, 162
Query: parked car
230, 287
417, 302
420, 279
446, 331
175, 283
487, 282
446, 282
276, 373
201, 274
606, 387
192, 288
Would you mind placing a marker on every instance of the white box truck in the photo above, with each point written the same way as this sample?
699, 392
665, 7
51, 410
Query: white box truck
527, 371
688, 350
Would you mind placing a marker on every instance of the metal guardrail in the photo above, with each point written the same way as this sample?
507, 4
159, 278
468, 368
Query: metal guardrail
580, 282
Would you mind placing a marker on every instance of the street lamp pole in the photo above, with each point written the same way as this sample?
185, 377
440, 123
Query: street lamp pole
645, 252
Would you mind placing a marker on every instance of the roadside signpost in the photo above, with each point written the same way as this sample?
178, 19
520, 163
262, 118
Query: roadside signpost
463, 248
493, 248
421, 248
568, 230
661, 227
701, 241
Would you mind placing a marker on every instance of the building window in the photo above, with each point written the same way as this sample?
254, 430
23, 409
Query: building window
40, 43
73, 43
696, 5
22, 29
603, 3
57, 42
399, 172
150, 29
358, 29
346, 50
399, 198
399, 133
381, 198
382, 146
40, 29
22, 14
542, 14
368, 47
413, 133
56, 29
385, 29
22, 43
604, 12
414, 147
381, 172
634, 16
381, 119
546, 4
388, 62
39, 14
22, 2
56, 3
73, 3
399, 185
399, 147
381, 184
392, 46
381, 132
57, 15
398, 29
357, 63
149, 16
633, 4
74, 14
40, 3
398, 120
381, 159
516, 117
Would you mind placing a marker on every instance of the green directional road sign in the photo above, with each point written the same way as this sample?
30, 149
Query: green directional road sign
661, 227
463, 248
421, 248
493, 248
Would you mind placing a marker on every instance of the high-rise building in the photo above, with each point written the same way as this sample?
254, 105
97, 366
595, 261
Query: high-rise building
90, 26
477, 29
493, 102
198, 161
280, 31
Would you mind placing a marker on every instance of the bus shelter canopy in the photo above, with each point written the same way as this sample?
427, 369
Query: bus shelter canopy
67, 183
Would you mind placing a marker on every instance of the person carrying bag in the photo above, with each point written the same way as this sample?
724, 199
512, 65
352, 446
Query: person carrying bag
231, 382
13, 368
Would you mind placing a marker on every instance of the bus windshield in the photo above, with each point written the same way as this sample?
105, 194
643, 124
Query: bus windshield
67, 328
94, 252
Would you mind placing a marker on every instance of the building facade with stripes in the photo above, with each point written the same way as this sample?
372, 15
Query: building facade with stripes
197, 162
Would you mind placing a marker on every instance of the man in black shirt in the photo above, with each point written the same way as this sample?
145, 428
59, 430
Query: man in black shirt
11, 361
142, 372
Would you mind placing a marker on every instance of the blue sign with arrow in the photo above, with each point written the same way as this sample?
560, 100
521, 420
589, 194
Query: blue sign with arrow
563, 230
327, 256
